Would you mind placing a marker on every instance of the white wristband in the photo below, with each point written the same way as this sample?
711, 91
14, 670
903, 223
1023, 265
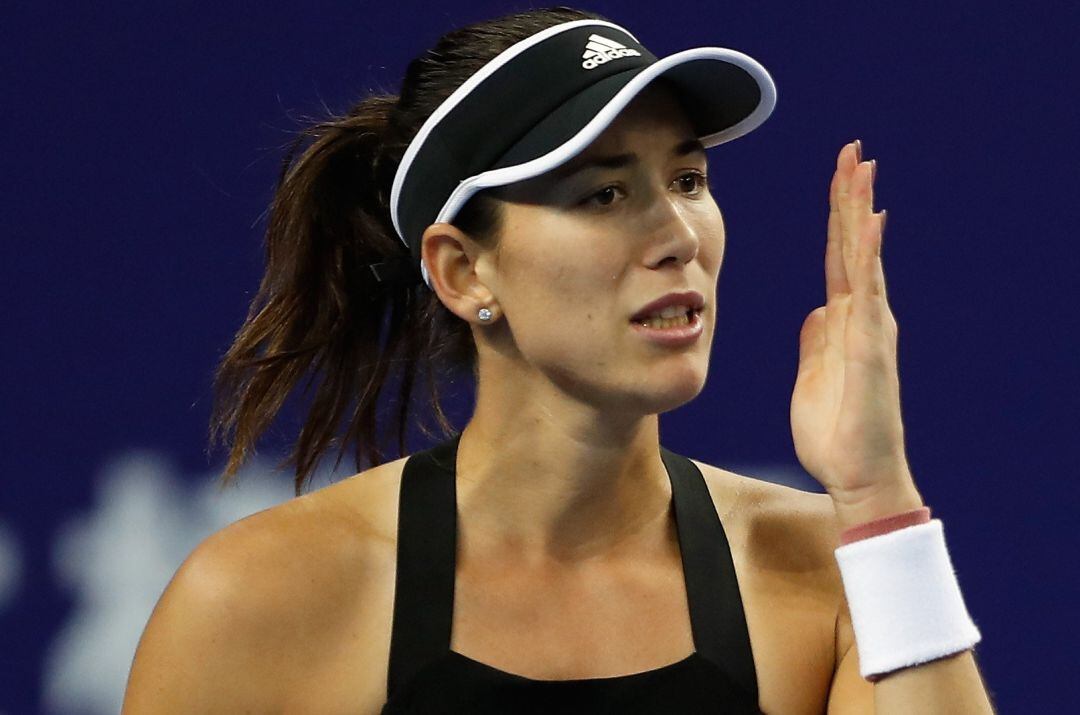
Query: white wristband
905, 602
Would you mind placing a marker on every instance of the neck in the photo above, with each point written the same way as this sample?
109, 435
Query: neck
546, 481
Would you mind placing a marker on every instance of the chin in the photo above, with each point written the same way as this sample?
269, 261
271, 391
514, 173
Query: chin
659, 393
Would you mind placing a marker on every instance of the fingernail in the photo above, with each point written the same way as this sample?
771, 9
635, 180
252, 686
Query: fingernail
873, 169
884, 217
858, 150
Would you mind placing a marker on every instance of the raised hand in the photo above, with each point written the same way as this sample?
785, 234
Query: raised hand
845, 406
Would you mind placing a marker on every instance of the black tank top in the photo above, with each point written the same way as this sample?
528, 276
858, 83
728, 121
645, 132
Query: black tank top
425, 676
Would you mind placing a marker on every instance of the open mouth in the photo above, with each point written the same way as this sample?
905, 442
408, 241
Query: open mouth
678, 321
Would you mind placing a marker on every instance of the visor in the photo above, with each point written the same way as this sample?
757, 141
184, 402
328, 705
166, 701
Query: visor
543, 100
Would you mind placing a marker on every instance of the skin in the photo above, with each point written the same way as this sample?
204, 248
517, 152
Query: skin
559, 461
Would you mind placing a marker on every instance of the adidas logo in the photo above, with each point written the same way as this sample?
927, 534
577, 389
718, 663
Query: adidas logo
600, 50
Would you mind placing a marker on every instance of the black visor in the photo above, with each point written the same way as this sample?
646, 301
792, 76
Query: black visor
542, 101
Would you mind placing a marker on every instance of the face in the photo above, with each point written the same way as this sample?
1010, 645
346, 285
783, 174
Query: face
586, 246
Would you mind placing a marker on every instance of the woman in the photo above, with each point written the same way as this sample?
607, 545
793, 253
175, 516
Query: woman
529, 208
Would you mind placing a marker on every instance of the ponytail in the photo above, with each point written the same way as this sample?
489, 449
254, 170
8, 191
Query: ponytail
318, 312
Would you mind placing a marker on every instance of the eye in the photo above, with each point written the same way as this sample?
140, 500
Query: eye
604, 197
692, 182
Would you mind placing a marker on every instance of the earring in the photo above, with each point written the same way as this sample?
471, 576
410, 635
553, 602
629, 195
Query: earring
484, 314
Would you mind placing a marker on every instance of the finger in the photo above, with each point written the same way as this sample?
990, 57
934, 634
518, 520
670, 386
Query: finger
871, 311
862, 223
871, 177
869, 235
837, 263
867, 254
836, 280
880, 275
846, 167
877, 264
812, 339
847, 188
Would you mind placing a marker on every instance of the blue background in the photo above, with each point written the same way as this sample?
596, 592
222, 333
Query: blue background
142, 146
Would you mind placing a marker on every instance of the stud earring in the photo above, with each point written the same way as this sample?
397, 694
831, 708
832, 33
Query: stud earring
484, 314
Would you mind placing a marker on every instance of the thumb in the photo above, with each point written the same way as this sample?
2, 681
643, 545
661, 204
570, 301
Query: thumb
812, 335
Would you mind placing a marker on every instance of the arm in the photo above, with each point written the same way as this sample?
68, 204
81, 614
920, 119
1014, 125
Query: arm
201, 650
951, 685
848, 434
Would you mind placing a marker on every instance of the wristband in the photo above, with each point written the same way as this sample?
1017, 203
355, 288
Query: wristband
904, 598
884, 525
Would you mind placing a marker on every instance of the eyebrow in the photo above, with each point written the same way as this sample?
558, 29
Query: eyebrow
618, 161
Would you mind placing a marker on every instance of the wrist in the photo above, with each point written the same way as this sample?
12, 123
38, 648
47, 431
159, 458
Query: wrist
904, 599
894, 499
884, 525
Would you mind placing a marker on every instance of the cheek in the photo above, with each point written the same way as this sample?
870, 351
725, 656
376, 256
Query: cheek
560, 303
710, 230
558, 261
570, 284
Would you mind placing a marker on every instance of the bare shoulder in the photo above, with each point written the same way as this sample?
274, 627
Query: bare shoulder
782, 539
782, 544
789, 527
257, 602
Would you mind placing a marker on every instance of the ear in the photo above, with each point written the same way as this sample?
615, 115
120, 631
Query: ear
452, 259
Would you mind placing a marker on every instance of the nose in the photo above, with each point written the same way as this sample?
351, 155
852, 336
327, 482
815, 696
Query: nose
673, 236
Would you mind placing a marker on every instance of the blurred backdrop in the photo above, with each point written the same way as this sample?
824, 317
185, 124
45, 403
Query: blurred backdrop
143, 143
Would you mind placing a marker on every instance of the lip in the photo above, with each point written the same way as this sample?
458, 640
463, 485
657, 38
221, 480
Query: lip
690, 298
674, 337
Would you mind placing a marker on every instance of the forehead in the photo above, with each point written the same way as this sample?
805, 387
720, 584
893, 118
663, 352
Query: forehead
657, 110
654, 121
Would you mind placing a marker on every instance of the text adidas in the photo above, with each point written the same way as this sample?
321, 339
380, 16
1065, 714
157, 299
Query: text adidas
601, 50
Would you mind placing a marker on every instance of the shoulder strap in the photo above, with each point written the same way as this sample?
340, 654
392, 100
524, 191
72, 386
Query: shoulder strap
427, 543
716, 610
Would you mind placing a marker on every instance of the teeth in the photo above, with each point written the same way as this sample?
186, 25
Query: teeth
660, 323
670, 312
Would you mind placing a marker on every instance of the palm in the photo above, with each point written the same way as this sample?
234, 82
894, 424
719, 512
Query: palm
845, 406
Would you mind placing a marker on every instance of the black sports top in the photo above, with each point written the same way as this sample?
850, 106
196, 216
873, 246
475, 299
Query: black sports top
425, 676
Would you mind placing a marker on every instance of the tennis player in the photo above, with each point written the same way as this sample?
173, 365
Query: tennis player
534, 208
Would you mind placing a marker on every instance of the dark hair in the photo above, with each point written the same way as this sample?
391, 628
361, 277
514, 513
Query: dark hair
315, 314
